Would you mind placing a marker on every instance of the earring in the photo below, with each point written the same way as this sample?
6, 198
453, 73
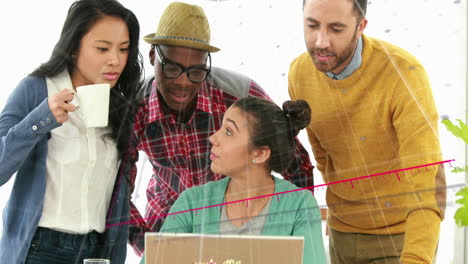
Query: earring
254, 161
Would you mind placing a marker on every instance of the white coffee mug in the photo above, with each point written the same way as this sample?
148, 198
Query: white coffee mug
92, 102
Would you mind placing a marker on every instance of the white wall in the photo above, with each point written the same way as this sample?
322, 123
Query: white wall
260, 38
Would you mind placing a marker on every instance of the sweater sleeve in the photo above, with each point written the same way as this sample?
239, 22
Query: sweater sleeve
22, 125
180, 218
294, 94
308, 224
416, 123
319, 153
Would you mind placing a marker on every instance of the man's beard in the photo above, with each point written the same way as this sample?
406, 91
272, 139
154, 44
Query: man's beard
338, 58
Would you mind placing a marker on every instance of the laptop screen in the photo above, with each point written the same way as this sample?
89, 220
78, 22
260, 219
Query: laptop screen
222, 249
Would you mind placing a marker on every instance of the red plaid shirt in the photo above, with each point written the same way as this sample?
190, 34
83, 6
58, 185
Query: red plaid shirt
179, 154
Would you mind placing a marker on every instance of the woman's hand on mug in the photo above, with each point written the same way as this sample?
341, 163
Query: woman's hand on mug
59, 105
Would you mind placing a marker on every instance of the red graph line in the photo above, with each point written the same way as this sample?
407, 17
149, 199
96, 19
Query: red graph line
295, 190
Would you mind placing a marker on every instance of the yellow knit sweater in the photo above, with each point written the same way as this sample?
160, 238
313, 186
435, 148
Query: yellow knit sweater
381, 118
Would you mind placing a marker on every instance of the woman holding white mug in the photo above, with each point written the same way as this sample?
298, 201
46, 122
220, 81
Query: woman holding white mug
70, 180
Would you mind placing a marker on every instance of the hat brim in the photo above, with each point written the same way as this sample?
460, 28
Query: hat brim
180, 42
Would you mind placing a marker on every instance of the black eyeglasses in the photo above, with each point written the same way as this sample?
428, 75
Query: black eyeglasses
172, 70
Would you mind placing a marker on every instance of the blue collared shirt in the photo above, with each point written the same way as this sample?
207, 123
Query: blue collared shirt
352, 66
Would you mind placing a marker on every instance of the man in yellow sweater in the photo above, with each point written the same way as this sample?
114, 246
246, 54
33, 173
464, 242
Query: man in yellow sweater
372, 112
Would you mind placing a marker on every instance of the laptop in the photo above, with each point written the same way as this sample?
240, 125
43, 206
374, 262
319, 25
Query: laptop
181, 248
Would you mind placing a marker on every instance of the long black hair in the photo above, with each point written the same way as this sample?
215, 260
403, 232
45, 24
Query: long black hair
82, 15
275, 128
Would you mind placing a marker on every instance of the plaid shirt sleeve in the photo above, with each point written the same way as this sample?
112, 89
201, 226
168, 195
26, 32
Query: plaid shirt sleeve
137, 226
301, 170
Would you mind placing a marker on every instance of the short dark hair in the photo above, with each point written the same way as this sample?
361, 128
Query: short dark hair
360, 8
81, 16
275, 128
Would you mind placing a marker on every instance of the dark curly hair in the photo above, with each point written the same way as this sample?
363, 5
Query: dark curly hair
275, 128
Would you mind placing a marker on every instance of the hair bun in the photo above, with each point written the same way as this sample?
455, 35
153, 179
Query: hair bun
298, 112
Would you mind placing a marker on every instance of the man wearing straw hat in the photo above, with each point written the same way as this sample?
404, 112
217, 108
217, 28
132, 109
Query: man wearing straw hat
182, 106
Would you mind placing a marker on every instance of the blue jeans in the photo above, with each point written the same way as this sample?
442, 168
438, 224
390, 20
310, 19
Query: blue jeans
53, 247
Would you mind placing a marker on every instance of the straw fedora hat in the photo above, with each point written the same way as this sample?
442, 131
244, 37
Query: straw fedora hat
183, 25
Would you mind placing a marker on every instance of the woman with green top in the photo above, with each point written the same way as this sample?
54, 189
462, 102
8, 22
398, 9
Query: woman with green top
256, 137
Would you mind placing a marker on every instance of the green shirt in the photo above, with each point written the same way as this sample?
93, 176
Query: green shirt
291, 214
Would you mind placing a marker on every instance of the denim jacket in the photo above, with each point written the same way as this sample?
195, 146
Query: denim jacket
25, 125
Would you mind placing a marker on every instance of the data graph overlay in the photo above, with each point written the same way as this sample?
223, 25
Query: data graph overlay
395, 173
